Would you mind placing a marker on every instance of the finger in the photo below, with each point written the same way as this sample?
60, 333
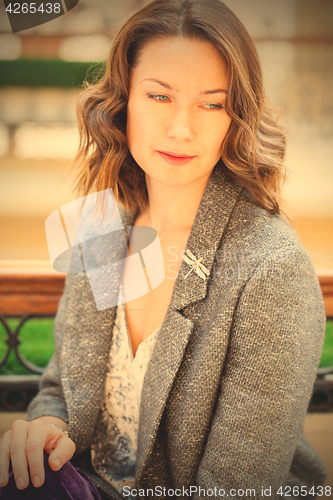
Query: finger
35, 454
63, 452
4, 458
18, 457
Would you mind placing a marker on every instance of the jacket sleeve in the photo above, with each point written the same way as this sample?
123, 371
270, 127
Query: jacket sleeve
50, 399
275, 346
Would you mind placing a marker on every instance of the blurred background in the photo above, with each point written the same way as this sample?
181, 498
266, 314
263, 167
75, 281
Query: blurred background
42, 68
41, 71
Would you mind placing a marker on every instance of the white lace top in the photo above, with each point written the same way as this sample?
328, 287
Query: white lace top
113, 453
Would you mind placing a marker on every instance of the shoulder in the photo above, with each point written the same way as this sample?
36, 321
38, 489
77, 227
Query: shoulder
264, 236
280, 299
267, 256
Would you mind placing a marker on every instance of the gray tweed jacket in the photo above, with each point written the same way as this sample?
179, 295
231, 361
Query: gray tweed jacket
229, 381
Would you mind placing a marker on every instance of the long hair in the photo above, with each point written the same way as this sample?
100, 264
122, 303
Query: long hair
254, 147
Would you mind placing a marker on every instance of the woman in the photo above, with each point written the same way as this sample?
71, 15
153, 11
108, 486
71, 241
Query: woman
215, 406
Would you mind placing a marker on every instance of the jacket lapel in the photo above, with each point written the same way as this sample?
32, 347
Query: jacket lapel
211, 219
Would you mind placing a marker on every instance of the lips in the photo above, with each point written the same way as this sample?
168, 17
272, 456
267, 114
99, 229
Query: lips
175, 155
175, 158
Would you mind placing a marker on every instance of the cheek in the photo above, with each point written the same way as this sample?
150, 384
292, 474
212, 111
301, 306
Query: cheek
215, 136
224, 129
133, 128
139, 124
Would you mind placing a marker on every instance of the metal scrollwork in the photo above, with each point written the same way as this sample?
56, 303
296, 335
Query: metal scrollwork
13, 342
16, 391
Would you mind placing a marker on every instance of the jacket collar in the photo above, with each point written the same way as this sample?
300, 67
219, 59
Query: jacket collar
211, 219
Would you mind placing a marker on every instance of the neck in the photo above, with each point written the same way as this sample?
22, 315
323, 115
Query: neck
172, 208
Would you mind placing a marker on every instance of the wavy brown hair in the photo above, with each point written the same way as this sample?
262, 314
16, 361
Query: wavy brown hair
254, 148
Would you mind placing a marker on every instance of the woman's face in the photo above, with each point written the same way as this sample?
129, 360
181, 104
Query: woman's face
176, 107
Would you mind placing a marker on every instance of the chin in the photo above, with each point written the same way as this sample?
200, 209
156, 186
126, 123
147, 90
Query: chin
170, 178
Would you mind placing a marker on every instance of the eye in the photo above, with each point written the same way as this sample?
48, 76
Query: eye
158, 97
214, 106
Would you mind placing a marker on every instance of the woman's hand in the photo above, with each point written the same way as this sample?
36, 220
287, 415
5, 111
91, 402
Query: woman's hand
24, 445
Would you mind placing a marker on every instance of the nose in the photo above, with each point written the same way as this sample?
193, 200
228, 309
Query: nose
180, 126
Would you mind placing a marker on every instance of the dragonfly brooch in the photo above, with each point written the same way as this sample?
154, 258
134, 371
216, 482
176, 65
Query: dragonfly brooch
196, 265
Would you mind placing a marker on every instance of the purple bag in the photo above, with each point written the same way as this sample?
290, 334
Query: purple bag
69, 483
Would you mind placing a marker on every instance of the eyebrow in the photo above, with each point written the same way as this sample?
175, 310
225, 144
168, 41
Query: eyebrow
167, 86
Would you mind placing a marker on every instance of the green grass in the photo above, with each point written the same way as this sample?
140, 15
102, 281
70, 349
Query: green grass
326, 359
38, 346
